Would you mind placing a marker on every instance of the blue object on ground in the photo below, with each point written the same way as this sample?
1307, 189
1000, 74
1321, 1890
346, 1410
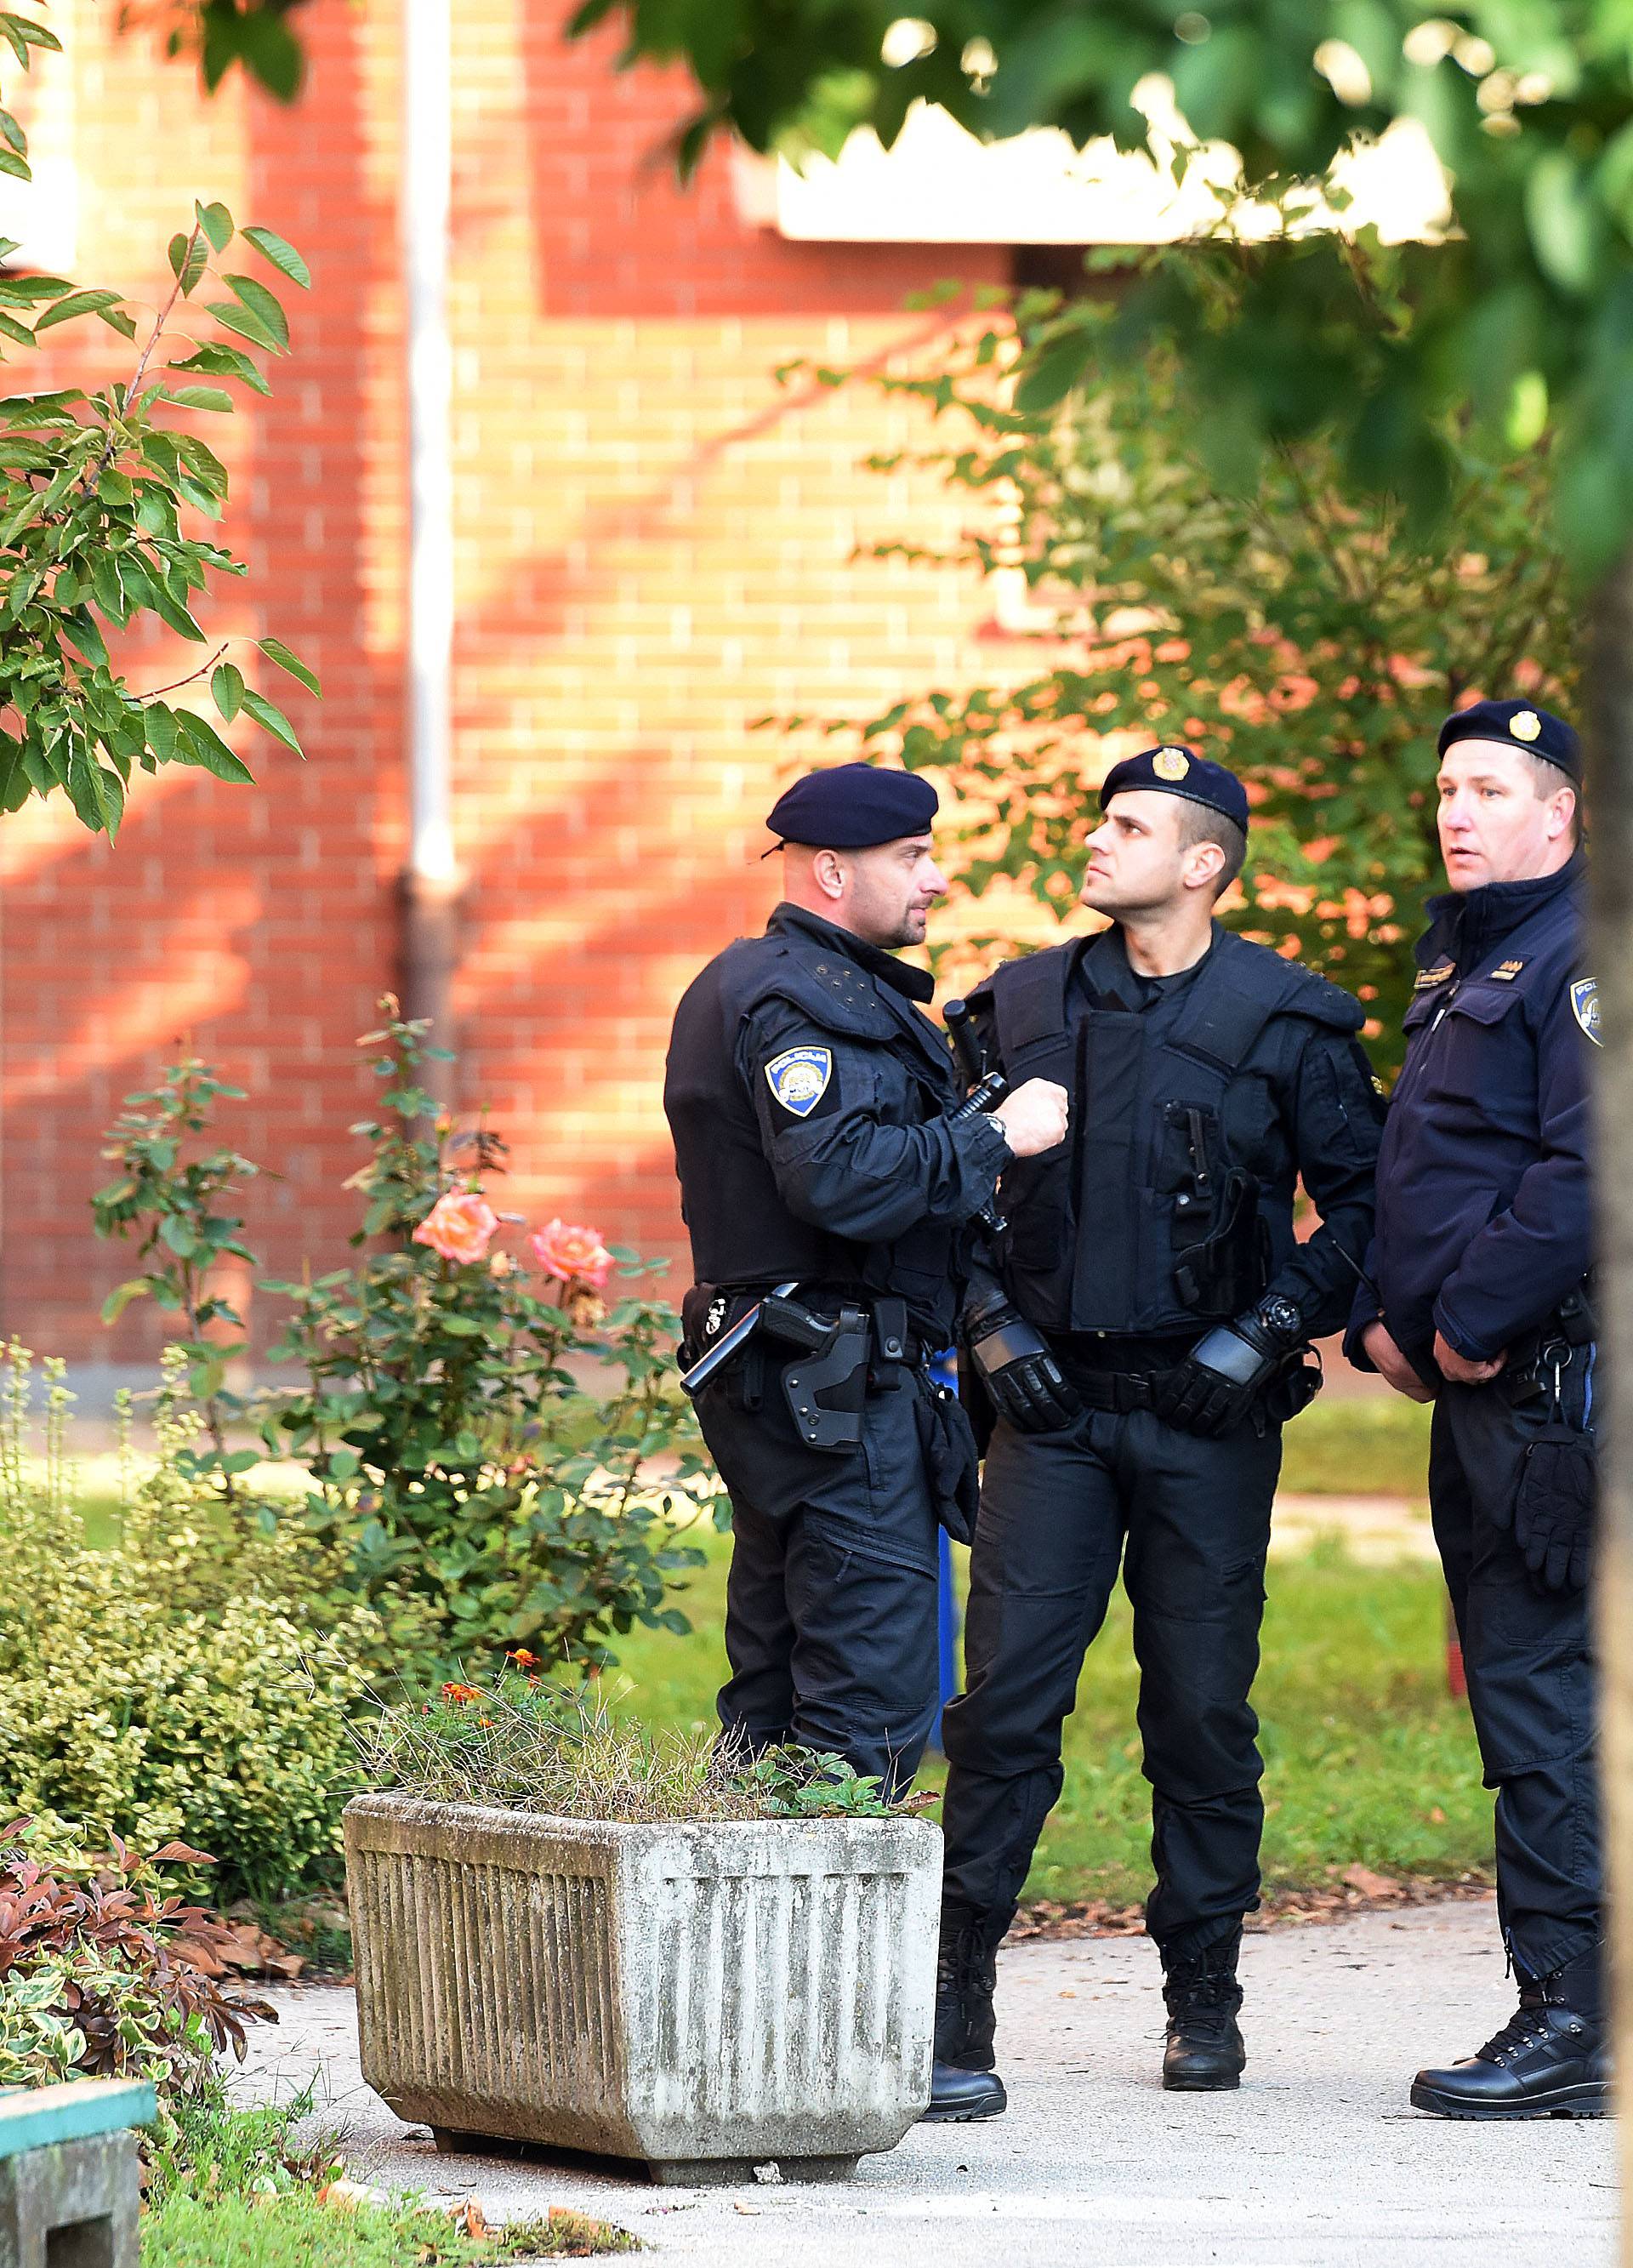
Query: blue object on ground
944, 1371
31, 2118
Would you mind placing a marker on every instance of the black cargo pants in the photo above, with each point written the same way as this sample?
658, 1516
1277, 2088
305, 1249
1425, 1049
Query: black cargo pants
1528, 1657
831, 1622
1190, 1520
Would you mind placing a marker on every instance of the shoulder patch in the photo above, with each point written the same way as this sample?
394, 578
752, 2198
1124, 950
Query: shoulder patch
1585, 1006
799, 1078
1426, 977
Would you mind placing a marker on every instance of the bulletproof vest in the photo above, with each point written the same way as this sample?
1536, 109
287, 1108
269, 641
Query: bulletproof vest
1151, 1217
741, 1232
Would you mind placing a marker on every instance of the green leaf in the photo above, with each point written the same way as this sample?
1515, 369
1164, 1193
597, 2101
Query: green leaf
189, 257
160, 725
80, 626
35, 287
257, 705
1049, 375
17, 167
202, 745
77, 303
216, 222
223, 361
284, 256
247, 325
117, 319
97, 796
14, 134
276, 650
227, 687
177, 617
117, 1300
200, 397
261, 302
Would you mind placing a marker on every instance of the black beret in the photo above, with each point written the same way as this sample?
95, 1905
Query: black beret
1516, 726
854, 807
1175, 770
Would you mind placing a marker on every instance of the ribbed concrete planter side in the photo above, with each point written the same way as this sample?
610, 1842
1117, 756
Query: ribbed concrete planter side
734, 1990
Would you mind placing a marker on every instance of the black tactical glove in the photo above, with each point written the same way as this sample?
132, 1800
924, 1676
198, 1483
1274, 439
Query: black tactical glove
1212, 1391
1553, 1511
1022, 1378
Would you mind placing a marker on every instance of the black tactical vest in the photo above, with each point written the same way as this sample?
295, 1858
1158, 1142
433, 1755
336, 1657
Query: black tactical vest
741, 1232
1171, 1135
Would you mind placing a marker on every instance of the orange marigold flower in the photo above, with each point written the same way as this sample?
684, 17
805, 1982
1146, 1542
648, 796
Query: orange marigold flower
459, 1693
524, 1660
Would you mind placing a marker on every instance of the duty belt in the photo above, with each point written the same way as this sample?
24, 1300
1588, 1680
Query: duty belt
1119, 1390
838, 1352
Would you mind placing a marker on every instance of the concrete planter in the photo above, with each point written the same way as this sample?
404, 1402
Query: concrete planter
702, 1997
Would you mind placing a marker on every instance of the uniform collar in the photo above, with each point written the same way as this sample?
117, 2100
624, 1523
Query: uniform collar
916, 984
1468, 924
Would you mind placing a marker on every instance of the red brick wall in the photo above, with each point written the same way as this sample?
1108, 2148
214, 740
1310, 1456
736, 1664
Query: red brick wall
654, 547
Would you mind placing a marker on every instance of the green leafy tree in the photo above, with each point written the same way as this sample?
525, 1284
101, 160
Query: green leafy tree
100, 494
1309, 637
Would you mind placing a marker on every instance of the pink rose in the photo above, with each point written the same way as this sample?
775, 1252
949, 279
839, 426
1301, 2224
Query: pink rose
577, 1255
459, 1226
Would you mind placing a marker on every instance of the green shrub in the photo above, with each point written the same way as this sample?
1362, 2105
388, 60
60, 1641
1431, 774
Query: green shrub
96, 1979
192, 1680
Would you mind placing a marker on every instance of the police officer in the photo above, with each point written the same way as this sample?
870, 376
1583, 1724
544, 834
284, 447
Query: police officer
1146, 1340
828, 1189
1478, 1297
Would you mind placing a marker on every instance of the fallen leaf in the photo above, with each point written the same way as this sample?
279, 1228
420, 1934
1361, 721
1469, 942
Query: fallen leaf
1371, 1885
346, 2197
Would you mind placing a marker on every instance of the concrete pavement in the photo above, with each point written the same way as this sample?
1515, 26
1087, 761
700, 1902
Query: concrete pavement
1317, 2163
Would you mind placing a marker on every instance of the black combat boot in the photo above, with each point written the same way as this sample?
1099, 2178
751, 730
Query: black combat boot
1204, 2049
1550, 2059
963, 2083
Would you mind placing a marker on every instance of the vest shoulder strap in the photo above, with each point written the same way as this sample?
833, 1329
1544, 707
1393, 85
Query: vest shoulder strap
1029, 998
1249, 985
832, 990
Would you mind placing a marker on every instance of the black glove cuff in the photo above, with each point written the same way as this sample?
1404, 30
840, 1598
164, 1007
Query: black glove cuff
1004, 1339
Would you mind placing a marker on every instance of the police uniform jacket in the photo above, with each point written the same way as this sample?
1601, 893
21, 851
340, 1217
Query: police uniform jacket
1196, 1101
1482, 1183
808, 1095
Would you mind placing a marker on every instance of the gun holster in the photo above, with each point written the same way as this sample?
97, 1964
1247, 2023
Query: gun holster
1226, 1271
826, 1386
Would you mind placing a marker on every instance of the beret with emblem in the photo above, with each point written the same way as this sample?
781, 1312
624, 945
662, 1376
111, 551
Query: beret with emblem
1180, 771
1516, 724
853, 806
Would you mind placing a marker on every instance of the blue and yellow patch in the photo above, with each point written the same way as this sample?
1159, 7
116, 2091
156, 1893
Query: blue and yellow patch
1585, 1006
799, 1078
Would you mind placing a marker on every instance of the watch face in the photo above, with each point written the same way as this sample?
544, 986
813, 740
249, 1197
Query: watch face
1281, 1316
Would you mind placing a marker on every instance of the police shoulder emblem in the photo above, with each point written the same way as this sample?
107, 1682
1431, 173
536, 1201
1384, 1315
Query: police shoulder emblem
1171, 763
1425, 978
1585, 1006
1525, 725
1506, 971
799, 1078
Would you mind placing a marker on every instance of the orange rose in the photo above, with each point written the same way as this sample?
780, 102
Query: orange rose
577, 1255
459, 1226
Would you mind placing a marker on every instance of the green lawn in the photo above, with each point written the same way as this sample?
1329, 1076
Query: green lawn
1368, 1758
1370, 1446
294, 2231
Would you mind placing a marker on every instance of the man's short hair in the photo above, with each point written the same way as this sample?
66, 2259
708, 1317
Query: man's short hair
1546, 779
1200, 822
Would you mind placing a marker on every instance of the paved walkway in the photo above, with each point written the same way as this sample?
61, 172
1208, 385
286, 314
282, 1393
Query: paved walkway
1318, 2162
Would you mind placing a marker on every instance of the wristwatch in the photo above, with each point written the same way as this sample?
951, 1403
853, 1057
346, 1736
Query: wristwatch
1281, 1319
